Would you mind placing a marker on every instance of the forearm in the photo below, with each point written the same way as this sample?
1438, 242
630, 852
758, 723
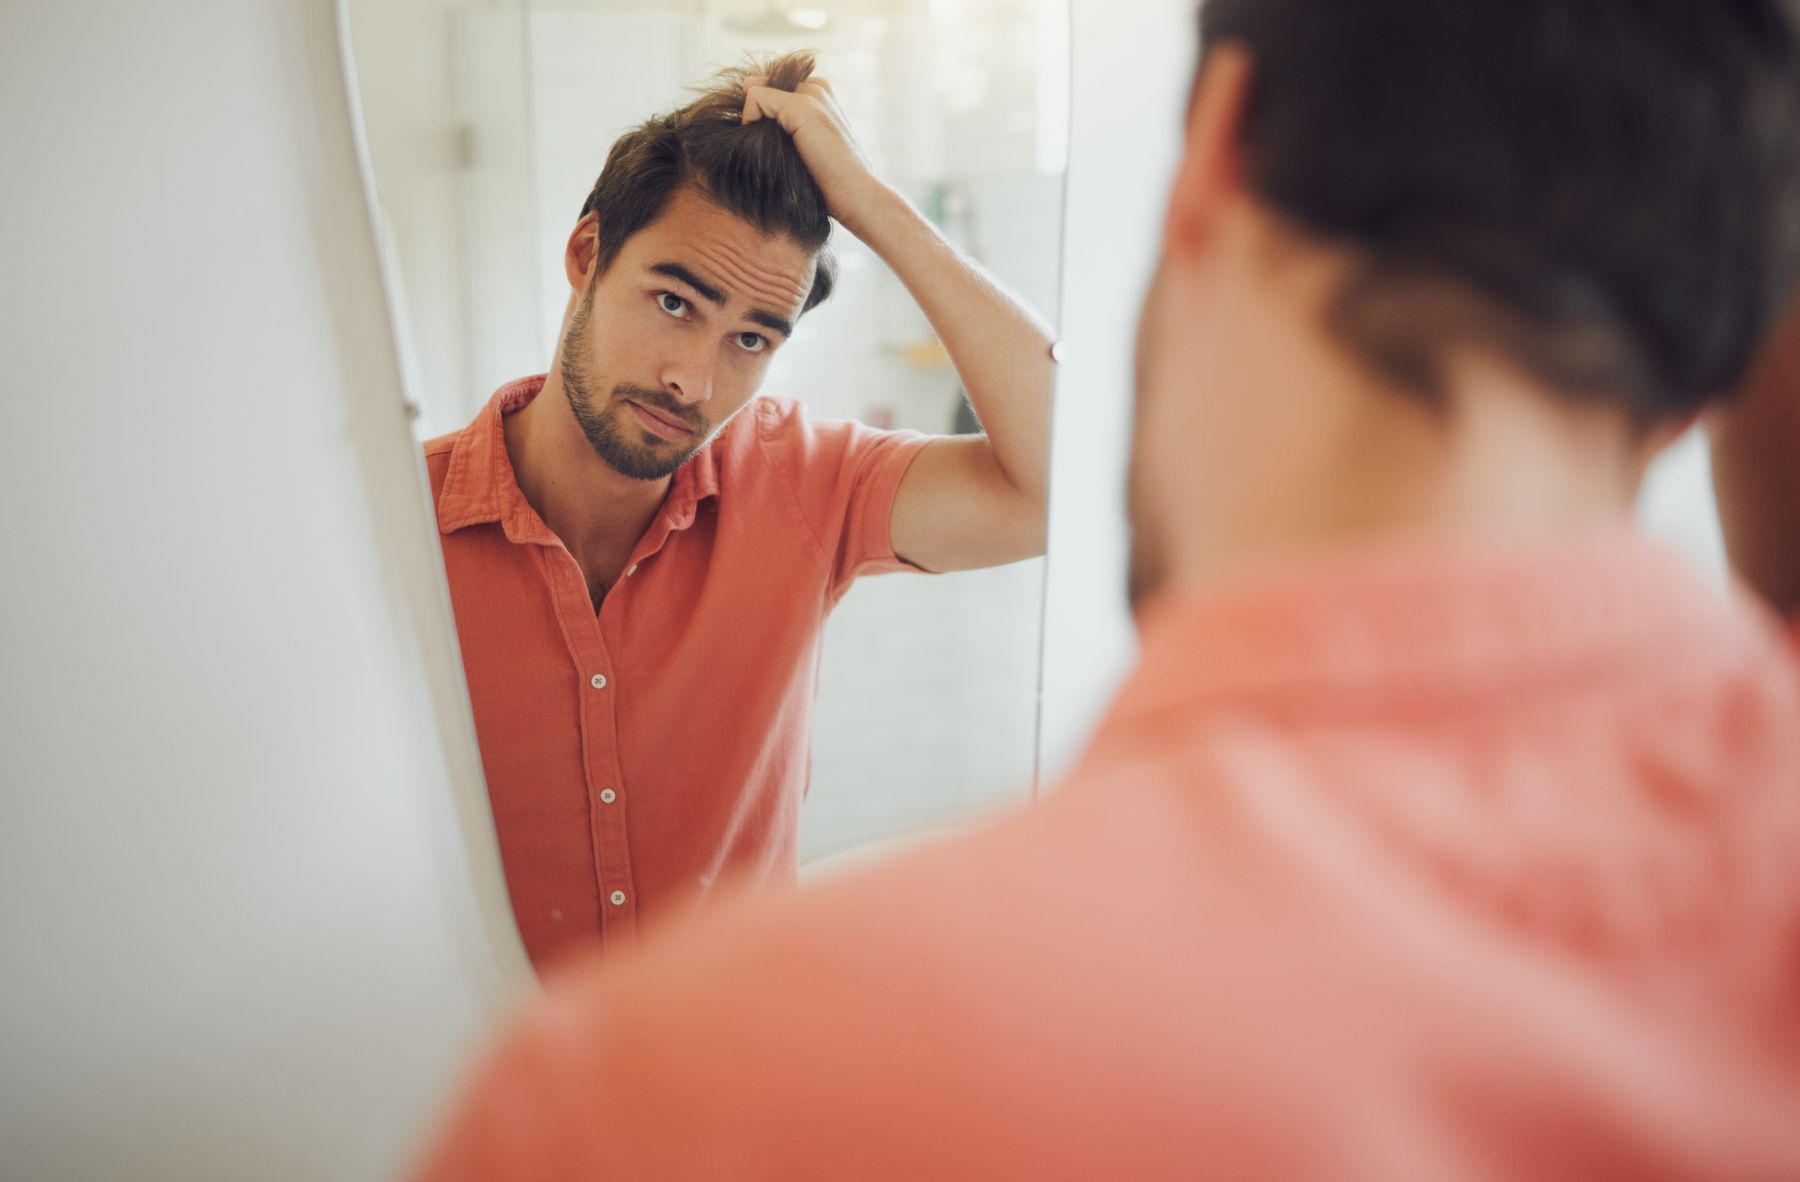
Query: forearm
1000, 349
1756, 471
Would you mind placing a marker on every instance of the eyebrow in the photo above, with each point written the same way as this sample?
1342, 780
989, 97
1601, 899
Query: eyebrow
769, 320
714, 296
708, 292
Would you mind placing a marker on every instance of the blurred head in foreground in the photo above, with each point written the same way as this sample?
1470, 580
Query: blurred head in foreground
1458, 266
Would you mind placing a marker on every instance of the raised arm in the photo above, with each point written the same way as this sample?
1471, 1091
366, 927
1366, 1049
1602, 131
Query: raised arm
1756, 471
966, 501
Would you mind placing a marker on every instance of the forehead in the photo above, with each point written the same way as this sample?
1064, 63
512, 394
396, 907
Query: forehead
751, 268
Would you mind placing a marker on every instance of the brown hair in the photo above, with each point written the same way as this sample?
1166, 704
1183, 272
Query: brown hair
753, 171
1605, 192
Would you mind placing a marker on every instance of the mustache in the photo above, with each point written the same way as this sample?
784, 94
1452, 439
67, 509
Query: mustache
661, 403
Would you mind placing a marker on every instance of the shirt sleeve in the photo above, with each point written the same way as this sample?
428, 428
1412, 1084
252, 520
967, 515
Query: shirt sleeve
844, 476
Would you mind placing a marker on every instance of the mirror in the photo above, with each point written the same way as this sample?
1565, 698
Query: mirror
486, 125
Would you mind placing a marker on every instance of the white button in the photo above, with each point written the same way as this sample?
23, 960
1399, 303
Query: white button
631, 570
598, 681
618, 898
607, 795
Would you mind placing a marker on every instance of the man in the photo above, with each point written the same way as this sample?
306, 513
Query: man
1447, 828
641, 553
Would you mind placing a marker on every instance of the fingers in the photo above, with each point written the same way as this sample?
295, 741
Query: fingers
761, 99
785, 106
752, 109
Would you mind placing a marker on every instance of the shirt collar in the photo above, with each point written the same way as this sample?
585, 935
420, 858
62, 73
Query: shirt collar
1423, 621
480, 487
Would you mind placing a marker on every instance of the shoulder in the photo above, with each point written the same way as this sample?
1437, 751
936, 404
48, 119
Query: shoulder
820, 455
763, 431
785, 426
437, 457
1011, 972
444, 444
777, 435
781, 426
775, 414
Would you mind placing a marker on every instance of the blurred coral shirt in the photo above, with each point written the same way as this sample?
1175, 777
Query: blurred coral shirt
1429, 861
639, 754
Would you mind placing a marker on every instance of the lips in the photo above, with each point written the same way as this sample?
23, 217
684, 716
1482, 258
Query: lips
659, 423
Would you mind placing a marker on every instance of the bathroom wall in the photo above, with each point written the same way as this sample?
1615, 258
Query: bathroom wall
249, 903
1130, 74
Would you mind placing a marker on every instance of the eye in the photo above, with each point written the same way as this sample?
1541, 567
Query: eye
752, 342
673, 304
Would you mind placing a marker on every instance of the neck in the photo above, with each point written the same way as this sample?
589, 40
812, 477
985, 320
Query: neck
1344, 458
585, 502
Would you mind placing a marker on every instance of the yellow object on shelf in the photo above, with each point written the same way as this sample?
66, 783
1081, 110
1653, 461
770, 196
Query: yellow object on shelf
927, 354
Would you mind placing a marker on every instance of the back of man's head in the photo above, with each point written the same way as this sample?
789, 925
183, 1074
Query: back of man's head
754, 171
1605, 192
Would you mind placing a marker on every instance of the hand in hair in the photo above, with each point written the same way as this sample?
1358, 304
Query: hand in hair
812, 115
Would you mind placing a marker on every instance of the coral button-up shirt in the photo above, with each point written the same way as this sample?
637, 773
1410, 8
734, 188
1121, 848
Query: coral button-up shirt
638, 754
1432, 861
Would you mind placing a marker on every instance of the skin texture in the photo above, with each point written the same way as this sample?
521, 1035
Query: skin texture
640, 340
966, 502
1258, 436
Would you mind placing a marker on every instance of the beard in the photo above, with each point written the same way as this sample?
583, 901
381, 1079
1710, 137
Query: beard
1147, 567
623, 444
1146, 570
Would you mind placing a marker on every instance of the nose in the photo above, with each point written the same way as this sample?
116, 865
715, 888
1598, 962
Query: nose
689, 376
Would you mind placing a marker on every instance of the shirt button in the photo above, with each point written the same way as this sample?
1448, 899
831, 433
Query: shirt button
598, 681
631, 570
618, 898
607, 795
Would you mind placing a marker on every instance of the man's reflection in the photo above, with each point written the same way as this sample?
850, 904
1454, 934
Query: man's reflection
642, 552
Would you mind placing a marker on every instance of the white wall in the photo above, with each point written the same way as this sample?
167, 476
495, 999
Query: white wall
447, 116
249, 901
416, 137
1677, 505
1132, 65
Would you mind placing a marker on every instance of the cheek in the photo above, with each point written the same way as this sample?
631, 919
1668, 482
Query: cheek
738, 377
742, 366
627, 320
639, 348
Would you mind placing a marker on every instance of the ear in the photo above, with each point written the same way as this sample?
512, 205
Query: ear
1212, 170
582, 252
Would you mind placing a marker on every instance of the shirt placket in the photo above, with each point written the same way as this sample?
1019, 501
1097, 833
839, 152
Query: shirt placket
607, 785
598, 695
